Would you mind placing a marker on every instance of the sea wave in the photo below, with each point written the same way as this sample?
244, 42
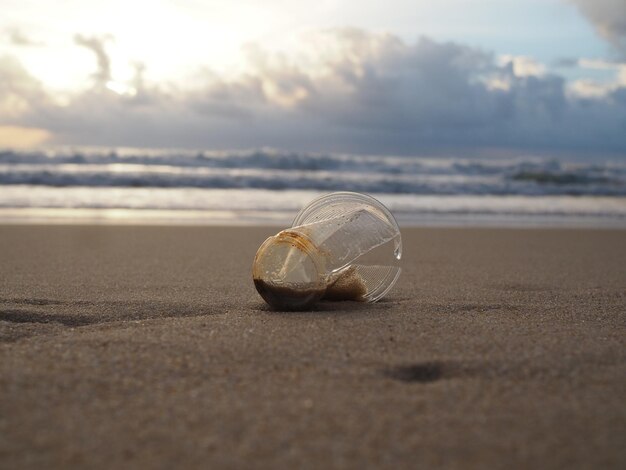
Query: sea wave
275, 170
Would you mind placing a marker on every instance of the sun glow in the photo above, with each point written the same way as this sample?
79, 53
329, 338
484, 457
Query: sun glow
22, 137
172, 40
121, 88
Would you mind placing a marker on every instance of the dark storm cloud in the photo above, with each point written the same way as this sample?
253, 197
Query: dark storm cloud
609, 19
372, 94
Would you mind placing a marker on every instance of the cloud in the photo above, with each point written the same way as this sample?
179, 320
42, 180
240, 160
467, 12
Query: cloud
96, 45
609, 19
17, 37
352, 91
566, 62
523, 66
21, 95
599, 89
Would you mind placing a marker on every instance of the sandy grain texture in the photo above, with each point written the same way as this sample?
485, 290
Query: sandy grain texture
125, 347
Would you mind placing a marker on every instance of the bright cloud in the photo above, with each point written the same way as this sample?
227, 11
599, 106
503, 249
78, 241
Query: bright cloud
599, 89
523, 66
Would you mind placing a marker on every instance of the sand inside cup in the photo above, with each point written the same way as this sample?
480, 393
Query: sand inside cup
348, 286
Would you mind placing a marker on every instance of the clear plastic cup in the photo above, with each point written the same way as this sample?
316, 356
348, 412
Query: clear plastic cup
342, 246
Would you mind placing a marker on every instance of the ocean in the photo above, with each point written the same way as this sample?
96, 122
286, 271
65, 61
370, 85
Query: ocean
95, 185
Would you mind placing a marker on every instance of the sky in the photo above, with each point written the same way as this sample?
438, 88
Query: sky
401, 77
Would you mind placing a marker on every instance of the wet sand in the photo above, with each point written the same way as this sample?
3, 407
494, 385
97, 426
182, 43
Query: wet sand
149, 347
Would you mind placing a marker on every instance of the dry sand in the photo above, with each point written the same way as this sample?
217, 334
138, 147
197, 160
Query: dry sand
149, 347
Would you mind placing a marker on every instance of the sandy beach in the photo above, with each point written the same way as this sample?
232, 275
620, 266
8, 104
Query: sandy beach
149, 347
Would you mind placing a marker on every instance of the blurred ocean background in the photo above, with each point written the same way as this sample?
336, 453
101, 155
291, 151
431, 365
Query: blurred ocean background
101, 185
457, 112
